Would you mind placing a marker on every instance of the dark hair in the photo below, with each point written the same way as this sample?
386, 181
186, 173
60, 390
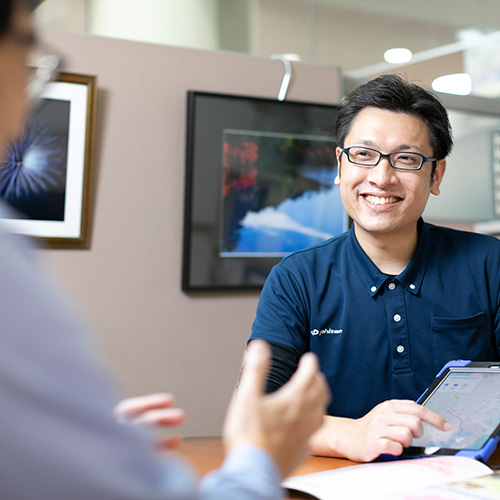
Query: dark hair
393, 93
6, 8
5, 14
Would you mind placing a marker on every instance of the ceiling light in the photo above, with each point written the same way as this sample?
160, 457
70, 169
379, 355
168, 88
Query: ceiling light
458, 83
398, 56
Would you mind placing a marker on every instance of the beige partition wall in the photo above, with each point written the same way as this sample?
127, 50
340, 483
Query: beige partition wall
153, 336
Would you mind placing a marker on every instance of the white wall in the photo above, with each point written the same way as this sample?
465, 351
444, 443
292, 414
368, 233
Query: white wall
467, 188
186, 23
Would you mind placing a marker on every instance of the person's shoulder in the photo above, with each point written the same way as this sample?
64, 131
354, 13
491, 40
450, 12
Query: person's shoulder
464, 238
321, 251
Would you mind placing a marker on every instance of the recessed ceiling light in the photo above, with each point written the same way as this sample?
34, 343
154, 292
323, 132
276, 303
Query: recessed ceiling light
458, 83
398, 56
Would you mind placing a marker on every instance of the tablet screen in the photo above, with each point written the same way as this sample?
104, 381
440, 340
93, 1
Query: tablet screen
470, 401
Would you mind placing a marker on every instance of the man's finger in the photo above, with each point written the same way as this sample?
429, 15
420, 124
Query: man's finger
423, 413
434, 419
305, 374
307, 379
254, 368
169, 443
163, 417
135, 406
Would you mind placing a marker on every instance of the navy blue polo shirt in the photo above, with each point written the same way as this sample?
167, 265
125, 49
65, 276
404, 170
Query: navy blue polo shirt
380, 337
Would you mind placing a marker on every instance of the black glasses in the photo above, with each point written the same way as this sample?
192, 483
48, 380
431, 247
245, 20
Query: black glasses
41, 71
43, 65
401, 160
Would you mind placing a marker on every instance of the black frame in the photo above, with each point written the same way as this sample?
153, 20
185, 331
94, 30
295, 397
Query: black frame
209, 116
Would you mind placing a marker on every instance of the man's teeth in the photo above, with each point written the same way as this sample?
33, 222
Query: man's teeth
375, 200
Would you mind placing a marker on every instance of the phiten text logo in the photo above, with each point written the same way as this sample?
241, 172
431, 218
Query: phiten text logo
326, 331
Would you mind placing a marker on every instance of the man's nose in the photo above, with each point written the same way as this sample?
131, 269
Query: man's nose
383, 173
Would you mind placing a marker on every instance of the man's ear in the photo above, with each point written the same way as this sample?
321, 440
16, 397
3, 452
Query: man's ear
438, 176
338, 154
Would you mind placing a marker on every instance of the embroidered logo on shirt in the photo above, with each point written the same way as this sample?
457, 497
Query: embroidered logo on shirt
326, 331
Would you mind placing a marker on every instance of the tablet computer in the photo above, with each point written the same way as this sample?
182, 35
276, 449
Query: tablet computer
467, 394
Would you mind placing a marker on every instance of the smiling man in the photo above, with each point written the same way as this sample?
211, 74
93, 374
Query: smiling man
388, 303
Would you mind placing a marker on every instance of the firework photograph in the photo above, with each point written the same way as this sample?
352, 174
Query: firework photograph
33, 170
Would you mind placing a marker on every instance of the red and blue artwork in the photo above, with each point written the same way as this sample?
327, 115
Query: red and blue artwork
278, 193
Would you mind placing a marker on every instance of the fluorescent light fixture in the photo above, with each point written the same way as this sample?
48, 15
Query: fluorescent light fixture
398, 56
458, 83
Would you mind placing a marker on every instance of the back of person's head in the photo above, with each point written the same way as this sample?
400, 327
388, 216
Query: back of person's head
7, 7
393, 93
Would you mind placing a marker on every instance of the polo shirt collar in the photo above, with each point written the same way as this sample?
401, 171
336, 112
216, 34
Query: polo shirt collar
373, 279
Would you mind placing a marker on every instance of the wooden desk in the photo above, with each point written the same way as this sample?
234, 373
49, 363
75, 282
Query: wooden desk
206, 454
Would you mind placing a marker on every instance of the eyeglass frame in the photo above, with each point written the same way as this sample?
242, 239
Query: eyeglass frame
42, 71
424, 159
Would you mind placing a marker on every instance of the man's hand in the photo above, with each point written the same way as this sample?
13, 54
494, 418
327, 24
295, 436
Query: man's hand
281, 423
387, 429
153, 410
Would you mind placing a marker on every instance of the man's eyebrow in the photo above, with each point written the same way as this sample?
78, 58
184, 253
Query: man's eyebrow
408, 147
401, 147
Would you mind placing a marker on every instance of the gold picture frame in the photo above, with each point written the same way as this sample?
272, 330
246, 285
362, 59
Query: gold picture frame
46, 176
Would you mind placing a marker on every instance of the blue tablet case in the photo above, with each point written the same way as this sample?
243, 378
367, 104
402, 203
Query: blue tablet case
482, 454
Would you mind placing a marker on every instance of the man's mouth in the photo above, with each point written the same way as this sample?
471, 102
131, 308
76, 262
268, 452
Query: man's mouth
377, 200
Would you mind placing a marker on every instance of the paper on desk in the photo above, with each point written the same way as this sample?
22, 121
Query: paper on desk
478, 488
380, 480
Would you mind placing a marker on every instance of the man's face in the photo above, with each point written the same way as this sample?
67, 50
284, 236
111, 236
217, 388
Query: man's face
15, 46
382, 200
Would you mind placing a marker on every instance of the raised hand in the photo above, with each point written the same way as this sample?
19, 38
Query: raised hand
154, 410
281, 422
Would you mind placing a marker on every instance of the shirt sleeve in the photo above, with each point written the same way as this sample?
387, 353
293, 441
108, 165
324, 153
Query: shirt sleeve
284, 363
247, 473
282, 311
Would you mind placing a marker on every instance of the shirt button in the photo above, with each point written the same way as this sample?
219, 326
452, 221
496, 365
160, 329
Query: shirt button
391, 286
400, 349
412, 286
396, 318
373, 288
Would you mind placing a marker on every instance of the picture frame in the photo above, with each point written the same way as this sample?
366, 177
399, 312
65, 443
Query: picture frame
259, 185
46, 175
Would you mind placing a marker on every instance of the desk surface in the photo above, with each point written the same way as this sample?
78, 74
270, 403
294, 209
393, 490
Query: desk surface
206, 454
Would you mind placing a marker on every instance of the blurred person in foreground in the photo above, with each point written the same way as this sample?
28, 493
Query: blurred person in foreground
59, 438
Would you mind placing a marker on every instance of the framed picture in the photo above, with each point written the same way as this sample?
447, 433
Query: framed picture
259, 185
46, 175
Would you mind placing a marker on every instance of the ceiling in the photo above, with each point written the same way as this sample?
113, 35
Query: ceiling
445, 36
482, 14
351, 34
